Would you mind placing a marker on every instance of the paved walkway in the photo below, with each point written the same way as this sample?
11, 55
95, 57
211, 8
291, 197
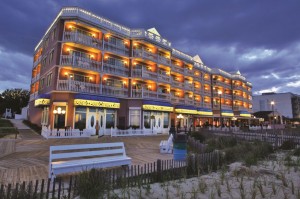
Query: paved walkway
24, 131
30, 160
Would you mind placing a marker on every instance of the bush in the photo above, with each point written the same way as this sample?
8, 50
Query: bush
296, 152
199, 136
288, 145
34, 127
5, 123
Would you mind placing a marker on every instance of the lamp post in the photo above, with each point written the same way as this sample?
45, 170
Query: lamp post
58, 112
272, 104
180, 117
220, 98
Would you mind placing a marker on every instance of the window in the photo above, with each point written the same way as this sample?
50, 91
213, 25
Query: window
115, 41
51, 56
45, 116
80, 78
166, 120
116, 62
42, 81
135, 116
110, 118
53, 35
47, 42
49, 79
44, 62
147, 119
80, 118
80, 54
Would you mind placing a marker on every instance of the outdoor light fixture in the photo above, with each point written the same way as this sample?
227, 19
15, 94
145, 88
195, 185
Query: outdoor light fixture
273, 104
59, 111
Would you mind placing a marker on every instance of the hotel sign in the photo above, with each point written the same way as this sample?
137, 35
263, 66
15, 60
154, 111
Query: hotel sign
186, 111
204, 112
42, 102
93, 103
157, 108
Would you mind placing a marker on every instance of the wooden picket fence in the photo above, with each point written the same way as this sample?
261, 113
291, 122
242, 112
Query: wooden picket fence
135, 175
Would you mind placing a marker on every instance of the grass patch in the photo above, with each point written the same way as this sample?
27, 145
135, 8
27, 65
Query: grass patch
5, 123
34, 127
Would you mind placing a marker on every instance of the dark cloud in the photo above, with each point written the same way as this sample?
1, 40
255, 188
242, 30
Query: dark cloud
259, 38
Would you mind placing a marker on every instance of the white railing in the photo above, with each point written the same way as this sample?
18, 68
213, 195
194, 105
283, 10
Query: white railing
114, 132
197, 104
83, 39
164, 60
206, 105
114, 91
188, 72
164, 96
237, 97
188, 86
114, 69
177, 100
34, 79
197, 90
80, 62
145, 54
206, 92
115, 48
65, 133
141, 33
144, 73
188, 101
177, 69
77, 86
37, 61
177, 84
164, 78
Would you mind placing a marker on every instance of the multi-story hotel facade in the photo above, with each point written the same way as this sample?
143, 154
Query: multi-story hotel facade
88, 70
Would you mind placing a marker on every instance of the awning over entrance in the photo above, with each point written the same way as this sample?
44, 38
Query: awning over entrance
186, 109
227, 113
157, 106
245, 114
42, 100
96, 101
204, 111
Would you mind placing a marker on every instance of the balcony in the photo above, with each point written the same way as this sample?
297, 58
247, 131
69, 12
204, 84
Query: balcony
114, 91
122, 50
220, 83
189, 86
163, 77
82, 39
177, 84
188, 72
144, 73
207, 80
188, 101
197, 90
145, 54
33, 96
37, 61
206, 92
163, 60
240, 108
116, 70
177, 100
35, 78
223, 107
80, 62
206, 105
142, 93
238, 97
77, 86
197, 103
177, 69
227, 96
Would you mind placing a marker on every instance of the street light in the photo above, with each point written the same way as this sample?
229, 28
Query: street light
220, 98
272, 104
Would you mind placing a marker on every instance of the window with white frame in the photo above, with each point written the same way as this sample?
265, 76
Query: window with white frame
45, 116
134, 117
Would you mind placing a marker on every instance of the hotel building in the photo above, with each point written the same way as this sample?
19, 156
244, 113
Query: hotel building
88, 70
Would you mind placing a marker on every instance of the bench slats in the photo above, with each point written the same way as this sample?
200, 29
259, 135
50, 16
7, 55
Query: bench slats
86, 154
85, 146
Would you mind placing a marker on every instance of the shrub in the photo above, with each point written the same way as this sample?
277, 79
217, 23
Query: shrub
296, 152
198, 136
287, 145
34, 127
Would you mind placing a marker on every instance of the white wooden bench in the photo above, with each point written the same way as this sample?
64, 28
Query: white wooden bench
166, 146
81, 157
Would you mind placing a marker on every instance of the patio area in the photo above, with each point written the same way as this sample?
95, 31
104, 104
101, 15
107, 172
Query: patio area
30, 160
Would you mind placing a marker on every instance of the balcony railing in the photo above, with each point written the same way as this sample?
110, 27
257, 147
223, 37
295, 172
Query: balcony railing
223, 107
237, 97
77, 86
35, 78
239, 108
37, 61
145, 54
206, 80
227, 96
144, 73
82, 39
206, 105
223, 84
162, 77
164, 60
177, 69
142, 93
189, 86
80, 62
197, 90
197, 103
114, 91
177, 84
33, 96
188, 72
164, 96
206, 92
177, 100
116, 48
114, 69
188, 101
